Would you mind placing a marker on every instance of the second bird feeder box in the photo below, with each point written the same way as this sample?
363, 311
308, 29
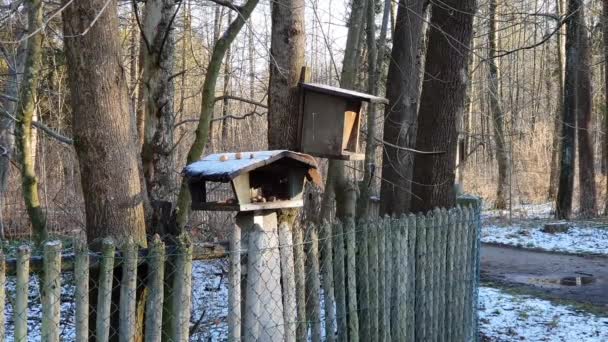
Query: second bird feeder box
259, 180
330, 121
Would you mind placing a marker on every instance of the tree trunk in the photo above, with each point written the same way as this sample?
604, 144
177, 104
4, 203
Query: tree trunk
403, 94
557, 130
208, 100
373, 80
103, 129
227, 91
25, 114
586, 163
441, 102
569, 113
288, 41
157, 152
502, 153
605, 142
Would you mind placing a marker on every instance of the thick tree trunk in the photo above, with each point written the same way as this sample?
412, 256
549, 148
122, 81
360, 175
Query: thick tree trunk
568, 119
586, 163
208, 100
288, 41
605, 140
502, 153
557, 129
103, 129
441, 102
403, 93
157, 152
25, 114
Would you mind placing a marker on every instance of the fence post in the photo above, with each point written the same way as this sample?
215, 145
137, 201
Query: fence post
421, 269
104, 296
430, 273
436, 272
362, 268
128, 288
442, 230
313, 312
289, 283
468, 281
351, 247
403, 276
51, 296
372, 277
81, 294
388, 274
340, 281
395, 278
382, 316
155, 283
328, 280
21, 293
411, 283
2, 294
300, 280
182, 290
453, 224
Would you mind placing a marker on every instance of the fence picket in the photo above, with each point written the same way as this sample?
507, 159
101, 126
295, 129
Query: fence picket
328, 281
388, 279
362, 269
411, 284
340, 281
155, 283
403, 275
51, 291
81, 294
104, 295
382, 316
313, 312
287, 276
437, 222
182, 290
372, 277
430, 273
421, 257
442, 272
395, 286
453, 222
128, 288
353, 314
300, 279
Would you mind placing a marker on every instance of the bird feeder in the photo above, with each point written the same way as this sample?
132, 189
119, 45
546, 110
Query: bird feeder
259, 180
330, 121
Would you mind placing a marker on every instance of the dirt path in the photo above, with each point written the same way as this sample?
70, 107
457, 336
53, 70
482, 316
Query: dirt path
579, 278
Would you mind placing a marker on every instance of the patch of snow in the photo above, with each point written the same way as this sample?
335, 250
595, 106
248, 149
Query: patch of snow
506, 317
577, 240
530, 211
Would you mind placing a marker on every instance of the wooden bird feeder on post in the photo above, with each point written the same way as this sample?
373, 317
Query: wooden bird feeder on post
330, 120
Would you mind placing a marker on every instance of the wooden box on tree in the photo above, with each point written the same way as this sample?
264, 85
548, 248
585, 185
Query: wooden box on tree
330, 121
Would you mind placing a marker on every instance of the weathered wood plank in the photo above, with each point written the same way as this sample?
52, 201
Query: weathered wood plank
453, 224
21, 293
362, 279
300, 279
327, 271
443, 222
51, 296
313, 312
289, 282
411, 284
340, 281
430, 273
421, 279
81, 294
395, 285
179, 329
373, 275
403, 276
128, 289
351, 278
104, 294
388, 275
155, 283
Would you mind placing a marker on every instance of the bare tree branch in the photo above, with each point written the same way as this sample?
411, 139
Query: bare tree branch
242, 99
42, 127
228, 4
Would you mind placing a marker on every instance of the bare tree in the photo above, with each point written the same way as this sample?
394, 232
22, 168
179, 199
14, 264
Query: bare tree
403, 93
442, 100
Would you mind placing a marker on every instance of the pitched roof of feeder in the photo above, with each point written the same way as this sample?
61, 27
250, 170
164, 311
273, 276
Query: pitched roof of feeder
223, 167
335, 91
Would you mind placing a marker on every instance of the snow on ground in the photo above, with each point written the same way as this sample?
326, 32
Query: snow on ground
528, 211
583, 240
506, 317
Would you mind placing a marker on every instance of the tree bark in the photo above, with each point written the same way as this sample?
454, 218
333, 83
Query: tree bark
208, 100
502, 153
158, 57
403, 93
605, 140
586, 163
25, 114
288, 41
103, 129
569, 113
441, 102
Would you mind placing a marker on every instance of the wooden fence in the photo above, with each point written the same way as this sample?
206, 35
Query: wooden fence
412, 278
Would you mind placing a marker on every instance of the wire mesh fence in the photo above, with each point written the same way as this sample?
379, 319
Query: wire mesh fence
411, 278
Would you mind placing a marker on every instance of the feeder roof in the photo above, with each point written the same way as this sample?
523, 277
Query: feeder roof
224, 167
345, 93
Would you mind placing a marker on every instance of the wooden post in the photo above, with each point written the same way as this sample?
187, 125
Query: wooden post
403, 276
351, 277
81, 294
300, 280
51, 297
388, 274
411, 283
394, 271
21, 293
128, 289
327, 271
155, 283
2, 294
453, 225
382, 305
313, 283
468, 272
289, 282
372, 277
430, 274
340, 281
104, 296
182, 290
421, 269
442, 230
362, 268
